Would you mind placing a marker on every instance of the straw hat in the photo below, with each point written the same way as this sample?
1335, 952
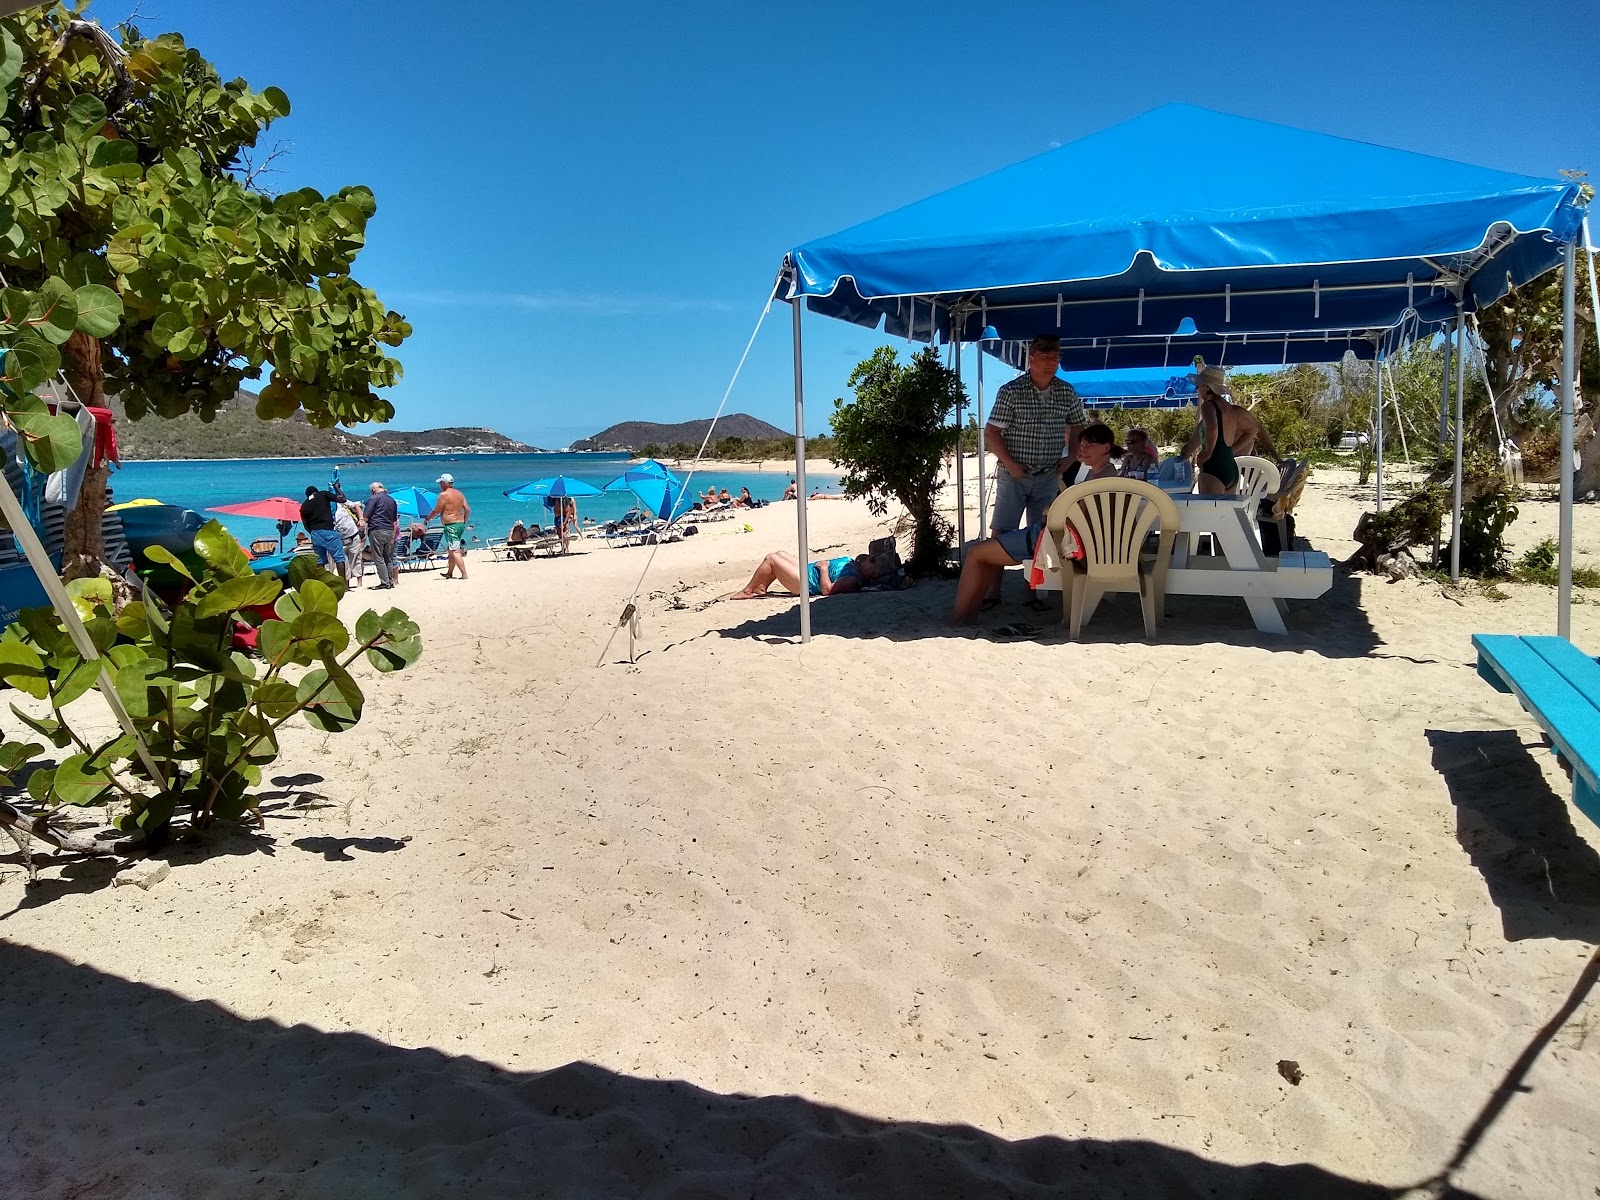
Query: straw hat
1213, 378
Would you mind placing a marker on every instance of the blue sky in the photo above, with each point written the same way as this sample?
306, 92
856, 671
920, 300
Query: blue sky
581, 208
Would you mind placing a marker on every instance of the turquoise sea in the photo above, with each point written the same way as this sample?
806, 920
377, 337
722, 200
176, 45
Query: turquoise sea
201, 484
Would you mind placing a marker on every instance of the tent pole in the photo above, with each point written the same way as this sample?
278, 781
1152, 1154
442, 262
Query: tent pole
804, 557
1377, 376
1568, 482
39, 559
961, 420
1444, 393
1461, 391
983, 474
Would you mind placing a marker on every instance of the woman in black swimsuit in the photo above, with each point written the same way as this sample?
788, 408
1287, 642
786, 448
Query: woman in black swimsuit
1219, 472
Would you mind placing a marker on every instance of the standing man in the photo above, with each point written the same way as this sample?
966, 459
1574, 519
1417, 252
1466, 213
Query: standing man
383, 521
316, 514
1032, 432
452, 511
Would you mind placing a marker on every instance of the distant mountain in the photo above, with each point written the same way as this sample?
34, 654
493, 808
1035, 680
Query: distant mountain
635, 435
238, 433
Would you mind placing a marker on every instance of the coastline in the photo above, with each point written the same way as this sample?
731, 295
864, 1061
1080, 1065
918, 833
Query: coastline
822, 466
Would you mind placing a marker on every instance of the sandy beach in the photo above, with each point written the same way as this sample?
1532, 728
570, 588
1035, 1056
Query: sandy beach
903, 912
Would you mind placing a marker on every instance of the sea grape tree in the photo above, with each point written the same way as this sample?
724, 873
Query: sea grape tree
140, 259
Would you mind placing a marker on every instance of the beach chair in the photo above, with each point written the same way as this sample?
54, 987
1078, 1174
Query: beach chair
420, 553
263, 546
1111, 518
1278, 505
1258, 477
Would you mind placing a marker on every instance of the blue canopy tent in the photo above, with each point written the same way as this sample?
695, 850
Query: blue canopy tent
1129, 389
1295, 247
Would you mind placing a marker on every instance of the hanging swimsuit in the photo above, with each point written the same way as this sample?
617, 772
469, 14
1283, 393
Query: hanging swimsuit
1221, 465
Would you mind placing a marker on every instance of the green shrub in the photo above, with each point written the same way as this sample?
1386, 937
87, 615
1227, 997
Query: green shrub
1539, 565
208, 714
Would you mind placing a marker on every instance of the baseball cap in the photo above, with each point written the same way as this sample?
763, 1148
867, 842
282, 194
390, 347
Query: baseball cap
1045, 343
446, 478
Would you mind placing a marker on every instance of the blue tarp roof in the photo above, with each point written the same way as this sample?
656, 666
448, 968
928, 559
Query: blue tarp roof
1110, 389
1272, 230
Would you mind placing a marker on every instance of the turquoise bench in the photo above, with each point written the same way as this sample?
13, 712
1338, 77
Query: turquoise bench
1559, 685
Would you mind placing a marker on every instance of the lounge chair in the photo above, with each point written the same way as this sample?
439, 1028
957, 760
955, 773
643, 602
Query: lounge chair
263, 546
1111, 518
1283, 500
419, 553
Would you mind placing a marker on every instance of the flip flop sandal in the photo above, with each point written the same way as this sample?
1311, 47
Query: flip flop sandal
1038, 605
1012, 633
989, 604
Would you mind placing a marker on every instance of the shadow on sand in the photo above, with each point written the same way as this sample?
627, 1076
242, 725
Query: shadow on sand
119, 1088
1542, 876
1333, 626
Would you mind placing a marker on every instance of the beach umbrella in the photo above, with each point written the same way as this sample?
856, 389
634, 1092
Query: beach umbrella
660, 492
415, 502
273, 508
553, 486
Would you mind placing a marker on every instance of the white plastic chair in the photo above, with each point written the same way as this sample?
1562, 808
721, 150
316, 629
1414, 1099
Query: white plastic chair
1258, 477
1111, 518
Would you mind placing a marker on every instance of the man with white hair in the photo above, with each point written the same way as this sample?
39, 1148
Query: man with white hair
383, 520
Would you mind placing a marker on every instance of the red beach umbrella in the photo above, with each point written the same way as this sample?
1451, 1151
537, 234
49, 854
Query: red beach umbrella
273, 508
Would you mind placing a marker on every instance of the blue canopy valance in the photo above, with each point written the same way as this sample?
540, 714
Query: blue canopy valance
1294, 238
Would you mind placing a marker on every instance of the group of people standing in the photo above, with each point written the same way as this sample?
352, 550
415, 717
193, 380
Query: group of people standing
1040, 435
343, 532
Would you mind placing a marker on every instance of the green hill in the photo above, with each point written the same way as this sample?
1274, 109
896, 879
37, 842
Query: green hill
238, 433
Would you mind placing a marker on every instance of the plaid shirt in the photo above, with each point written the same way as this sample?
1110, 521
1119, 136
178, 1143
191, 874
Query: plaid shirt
1034, 424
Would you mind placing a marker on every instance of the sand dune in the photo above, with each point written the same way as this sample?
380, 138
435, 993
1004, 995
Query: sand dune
904, 911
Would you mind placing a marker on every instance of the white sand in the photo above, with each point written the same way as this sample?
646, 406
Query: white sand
911, 913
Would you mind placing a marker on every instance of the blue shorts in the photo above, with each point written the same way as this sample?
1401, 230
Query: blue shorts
328, 545
1020, 543
1030, 496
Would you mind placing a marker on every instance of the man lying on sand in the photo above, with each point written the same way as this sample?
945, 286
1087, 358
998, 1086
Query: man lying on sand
829, 577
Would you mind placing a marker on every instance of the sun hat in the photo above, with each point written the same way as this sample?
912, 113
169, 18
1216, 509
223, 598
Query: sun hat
446, 478
1213, 378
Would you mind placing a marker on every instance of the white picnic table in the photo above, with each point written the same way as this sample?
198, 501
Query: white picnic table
1241, 570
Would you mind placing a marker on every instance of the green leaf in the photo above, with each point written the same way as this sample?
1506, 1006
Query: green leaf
167, 558
11, 59
397, 642
241, 592
317, 596
217, 547
52, 443
156, 813
89, 593
47, 727
78, 782
58, 315
22, 668
99, 310
75, 682
327, 700
87, 110
132, 623
324, 629
30, 360
277, 699
14, 754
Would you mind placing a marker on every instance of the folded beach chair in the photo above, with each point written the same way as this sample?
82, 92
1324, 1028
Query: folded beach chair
1109, 520
1277, 508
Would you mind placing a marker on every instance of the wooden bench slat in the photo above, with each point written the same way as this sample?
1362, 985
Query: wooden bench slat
1572, 664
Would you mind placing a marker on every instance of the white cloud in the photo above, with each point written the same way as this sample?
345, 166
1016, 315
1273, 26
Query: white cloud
592, 303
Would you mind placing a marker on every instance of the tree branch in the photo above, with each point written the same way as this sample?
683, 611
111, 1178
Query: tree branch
39, 827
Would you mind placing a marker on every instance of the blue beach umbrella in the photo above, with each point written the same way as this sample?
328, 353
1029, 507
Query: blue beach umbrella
555, 485
415, 502
658, 490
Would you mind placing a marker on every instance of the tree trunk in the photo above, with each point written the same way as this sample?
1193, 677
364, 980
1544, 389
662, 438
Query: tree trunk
85, 549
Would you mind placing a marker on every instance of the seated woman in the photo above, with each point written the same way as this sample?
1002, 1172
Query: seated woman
986, 561
829, 578
1139, 460
745, 500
